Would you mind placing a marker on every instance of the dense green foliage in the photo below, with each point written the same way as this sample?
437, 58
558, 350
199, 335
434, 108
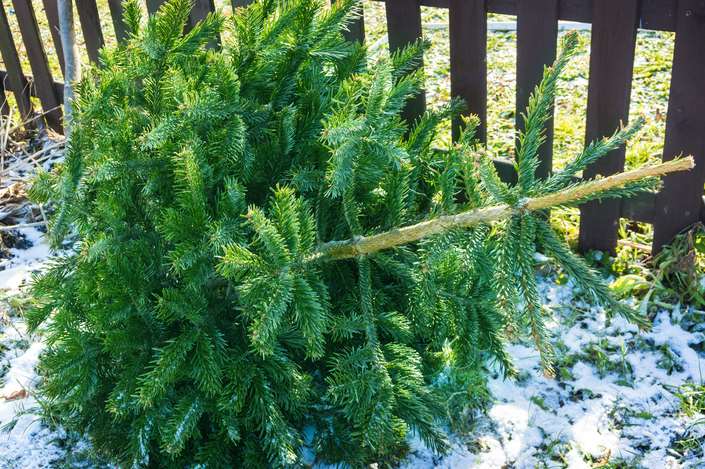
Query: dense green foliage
194, 322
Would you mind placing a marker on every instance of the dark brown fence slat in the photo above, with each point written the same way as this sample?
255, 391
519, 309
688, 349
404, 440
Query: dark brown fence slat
404, 27
537, 34
611, 64
658, 14
468, 57
153, 5
678, 204
52, 14
38, 61
90, 25
116, 15
356, 30
200, 10
14, 79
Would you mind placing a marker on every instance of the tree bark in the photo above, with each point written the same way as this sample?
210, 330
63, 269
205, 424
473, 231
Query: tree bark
72, 68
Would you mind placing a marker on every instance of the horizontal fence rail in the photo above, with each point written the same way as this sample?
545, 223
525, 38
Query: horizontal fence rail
613, 38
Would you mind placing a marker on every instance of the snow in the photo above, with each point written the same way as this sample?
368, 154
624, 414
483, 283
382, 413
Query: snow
574, 421
584, 418
30, 443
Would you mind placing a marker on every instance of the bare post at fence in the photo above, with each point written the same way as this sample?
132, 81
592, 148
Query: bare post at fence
72, 71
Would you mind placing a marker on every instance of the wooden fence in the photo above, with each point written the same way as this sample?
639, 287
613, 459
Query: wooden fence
614, 27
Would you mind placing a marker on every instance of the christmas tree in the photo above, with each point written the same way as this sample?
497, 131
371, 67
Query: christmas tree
268, 256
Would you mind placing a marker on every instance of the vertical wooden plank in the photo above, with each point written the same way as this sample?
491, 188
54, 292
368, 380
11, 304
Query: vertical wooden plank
356, 29
153, 5
468, 58
43, 81
90, 25
613, 41
116, 15
52, 14
241, 3
678, 205
404, 27
537, 34
15, 77
200, 10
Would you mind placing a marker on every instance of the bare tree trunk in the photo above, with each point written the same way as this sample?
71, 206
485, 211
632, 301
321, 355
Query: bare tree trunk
362, 245
72, 68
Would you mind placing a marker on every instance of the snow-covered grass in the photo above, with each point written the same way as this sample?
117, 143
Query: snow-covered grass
26, 441
615, 399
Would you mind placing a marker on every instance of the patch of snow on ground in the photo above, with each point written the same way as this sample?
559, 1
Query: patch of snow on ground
30, 444
584, 417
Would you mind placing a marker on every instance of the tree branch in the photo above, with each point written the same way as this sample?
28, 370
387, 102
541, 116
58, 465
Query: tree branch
72, 67
361, 245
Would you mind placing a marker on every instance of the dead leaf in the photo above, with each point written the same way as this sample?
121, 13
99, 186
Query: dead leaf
17, 395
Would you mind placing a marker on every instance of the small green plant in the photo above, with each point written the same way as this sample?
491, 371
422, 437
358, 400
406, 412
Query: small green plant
681, 267
267, 249
609, 359
692, 397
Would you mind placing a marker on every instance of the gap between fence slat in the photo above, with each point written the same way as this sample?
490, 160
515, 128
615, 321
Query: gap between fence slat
468, 58
613, 42
537, 35
679, 203
404, 27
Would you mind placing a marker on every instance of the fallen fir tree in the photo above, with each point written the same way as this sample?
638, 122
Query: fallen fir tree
266, 250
